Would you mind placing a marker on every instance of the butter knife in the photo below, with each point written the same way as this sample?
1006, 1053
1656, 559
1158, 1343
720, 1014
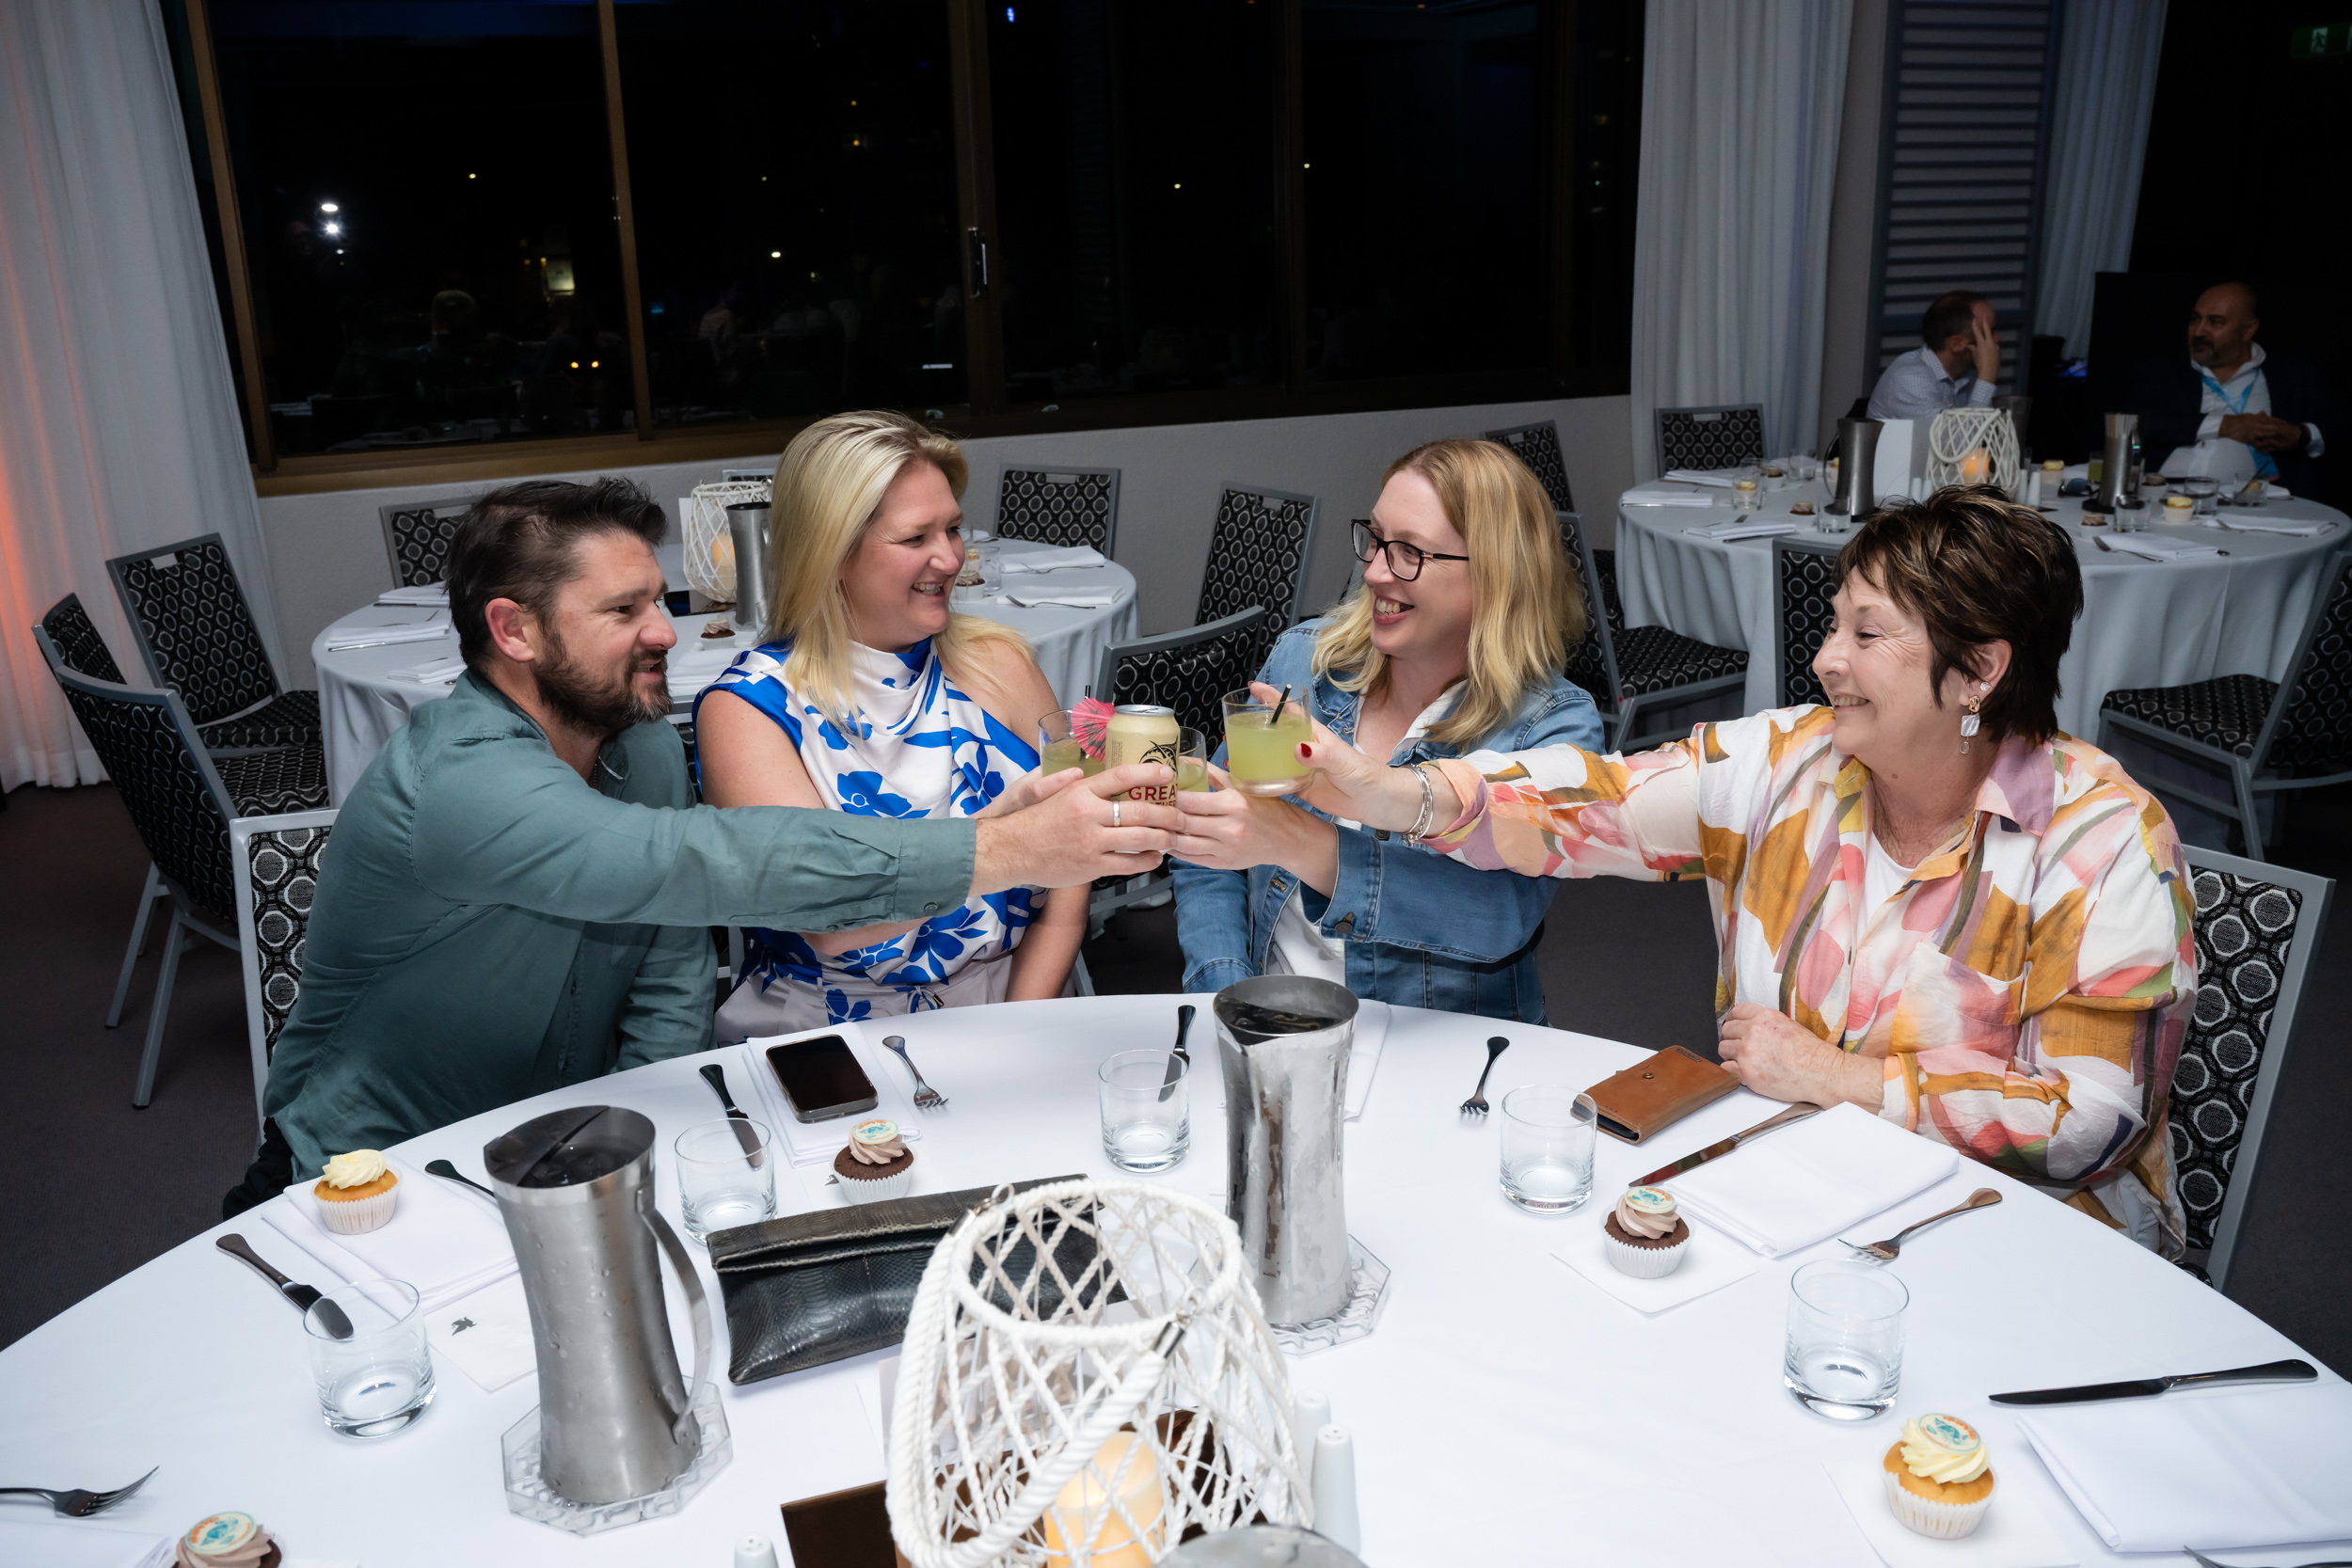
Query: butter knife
1717, 1151
303, 1297
2140, 1388
1183, 1027
745, 1133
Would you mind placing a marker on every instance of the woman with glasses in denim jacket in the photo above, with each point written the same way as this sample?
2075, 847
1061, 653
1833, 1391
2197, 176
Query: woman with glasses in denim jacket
1453, 643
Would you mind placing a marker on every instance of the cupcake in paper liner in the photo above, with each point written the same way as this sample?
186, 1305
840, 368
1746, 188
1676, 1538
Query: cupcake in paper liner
876, 1164
1939, 1479
358, 1193
1644, 1235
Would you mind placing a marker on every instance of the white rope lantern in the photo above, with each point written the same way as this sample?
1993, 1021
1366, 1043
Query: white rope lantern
702, 522
1071, 1431
1973, 446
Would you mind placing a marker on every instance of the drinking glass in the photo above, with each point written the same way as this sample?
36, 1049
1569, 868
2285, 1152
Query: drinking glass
1058, 746
1192, 760
1547, 1134
380, 1378
1746, 495
1261, 755
1146, 1109
2203, 490
724, 1180
1845, 1356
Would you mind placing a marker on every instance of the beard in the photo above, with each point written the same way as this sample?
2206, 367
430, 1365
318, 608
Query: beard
599, 703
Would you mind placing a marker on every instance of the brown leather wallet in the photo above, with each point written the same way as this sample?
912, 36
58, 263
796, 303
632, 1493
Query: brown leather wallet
1659, 1091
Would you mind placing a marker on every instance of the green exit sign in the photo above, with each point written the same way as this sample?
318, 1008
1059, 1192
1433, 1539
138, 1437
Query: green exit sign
2332, 42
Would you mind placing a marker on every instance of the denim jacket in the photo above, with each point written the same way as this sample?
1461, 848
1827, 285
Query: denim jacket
1421, 930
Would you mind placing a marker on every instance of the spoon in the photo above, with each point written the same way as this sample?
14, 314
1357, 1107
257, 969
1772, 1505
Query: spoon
448, 1172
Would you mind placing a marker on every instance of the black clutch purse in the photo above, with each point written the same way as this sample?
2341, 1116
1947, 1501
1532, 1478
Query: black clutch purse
809, 1288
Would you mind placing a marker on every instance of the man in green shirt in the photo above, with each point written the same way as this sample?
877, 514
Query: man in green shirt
517, 891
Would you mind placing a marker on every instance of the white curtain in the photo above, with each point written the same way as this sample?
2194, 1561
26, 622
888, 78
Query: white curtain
1740, 105
119, 425
2106, 84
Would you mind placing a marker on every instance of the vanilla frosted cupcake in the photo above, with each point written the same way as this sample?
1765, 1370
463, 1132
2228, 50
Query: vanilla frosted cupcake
876, 1165
1644, 1235
358, 1193
1939, 1479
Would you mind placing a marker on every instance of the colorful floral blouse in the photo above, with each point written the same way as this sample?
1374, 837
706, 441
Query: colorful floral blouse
2028, 987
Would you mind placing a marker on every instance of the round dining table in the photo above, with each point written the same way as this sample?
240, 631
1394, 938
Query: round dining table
2144, 623
1503, 1408
368, 688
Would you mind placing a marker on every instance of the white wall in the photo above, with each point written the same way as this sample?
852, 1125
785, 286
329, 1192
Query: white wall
326, 551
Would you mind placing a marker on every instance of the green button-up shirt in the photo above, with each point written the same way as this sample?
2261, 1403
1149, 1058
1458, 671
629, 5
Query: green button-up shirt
488, 926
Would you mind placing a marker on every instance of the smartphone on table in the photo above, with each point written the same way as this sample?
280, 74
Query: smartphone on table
821, 1078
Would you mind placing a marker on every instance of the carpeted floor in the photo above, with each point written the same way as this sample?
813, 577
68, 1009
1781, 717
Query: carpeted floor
95, 1188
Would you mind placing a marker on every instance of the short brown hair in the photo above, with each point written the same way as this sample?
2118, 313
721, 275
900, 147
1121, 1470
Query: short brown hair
1976, 568
521, 543
1947, 313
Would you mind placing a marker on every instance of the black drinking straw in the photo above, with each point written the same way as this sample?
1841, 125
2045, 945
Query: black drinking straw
1275, 718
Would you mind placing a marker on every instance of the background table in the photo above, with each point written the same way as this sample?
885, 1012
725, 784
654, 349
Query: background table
1505, 1410
2144, 623
363, 704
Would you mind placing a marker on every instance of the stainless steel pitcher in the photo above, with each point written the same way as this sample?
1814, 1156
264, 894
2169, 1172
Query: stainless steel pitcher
1858, 460
2118, 466
576, 1188
1285, 1127
747, 530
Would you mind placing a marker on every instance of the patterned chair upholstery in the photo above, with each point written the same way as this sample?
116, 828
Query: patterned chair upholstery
79, 647
1059, 506
1538, 446
2267, 736
1188, 671
1641, 666
417, 537
275, 861
2256, 929
1804, 579
1257, 556
1723, 436
197, 638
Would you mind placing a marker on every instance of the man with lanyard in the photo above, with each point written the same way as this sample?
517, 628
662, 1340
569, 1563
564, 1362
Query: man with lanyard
2233, 410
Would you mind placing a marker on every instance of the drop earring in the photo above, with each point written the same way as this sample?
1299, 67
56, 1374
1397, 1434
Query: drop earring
1969, 722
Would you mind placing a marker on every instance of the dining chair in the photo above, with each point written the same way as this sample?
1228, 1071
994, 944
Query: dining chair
1723, 435
1538, 446
748, 476
1058, 505
1257, 556
1642, 667
417, 537
1804, 579
274, 863
2257, 926
2269, 737
197, 636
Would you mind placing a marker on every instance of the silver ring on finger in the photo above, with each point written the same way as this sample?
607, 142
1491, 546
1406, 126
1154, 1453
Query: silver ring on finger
1113, 813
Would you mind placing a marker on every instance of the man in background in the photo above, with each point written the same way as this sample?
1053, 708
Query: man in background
2230, 409
1954, 366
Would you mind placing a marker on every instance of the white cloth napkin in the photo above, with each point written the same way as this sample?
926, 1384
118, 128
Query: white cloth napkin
1051, 559
1701, 476
430, 594
690, 670
1102, 600
2014, 1534
488, 1334
2304, 528
1750, 527
815, 1143
1805, 1182
55, 1543
2157, 546
435, 672
1709, 1262
1663, 497
368, 637
2218, 1470
446, 1242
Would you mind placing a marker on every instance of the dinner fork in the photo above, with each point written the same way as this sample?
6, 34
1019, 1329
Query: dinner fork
1887, 1250
926, 1098
2208, 1562
75, 1503
1476, 1104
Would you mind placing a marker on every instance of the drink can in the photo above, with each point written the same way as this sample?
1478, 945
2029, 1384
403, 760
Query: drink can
1140, 732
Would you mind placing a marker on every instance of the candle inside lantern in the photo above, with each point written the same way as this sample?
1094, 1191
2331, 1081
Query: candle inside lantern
1082, 1515
1976, 467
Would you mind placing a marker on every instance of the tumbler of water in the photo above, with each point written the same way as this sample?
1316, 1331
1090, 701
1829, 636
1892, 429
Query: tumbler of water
1146, 1109
368, 1356
1845, 1357
1548, 1134
726, 1176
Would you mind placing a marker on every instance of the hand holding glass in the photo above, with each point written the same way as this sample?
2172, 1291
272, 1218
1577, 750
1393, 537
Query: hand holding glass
1058, 746
1262, 749
1192, 761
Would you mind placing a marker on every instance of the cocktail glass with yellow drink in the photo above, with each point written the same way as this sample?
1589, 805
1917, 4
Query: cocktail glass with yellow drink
1058, 746
1192, 761
1262, 745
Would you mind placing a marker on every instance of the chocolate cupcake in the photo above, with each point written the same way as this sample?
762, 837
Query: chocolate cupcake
1644, 1235
876, 1164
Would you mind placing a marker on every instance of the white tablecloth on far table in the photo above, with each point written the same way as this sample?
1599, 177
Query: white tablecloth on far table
361, 703
2144, 623
1505, 1408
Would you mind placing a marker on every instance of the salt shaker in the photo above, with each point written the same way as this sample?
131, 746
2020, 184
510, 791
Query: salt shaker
755, 1551
1311, 1412
1335, 1488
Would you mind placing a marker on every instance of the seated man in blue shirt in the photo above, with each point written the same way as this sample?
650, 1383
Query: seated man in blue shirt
1954, 366
517, 891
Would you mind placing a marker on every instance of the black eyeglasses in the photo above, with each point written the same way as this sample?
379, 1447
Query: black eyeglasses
1405, 561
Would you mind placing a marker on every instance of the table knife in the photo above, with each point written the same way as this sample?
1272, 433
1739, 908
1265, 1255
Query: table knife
2140, 1388
716, 1076
1717, 1151
1183, 1027
303, 1297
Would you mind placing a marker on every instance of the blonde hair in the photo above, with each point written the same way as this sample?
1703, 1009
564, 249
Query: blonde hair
1529, 609
829, 485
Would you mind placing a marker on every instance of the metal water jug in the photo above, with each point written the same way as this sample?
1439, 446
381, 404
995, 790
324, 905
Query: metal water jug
747, 530
1283, 1041
576, 1188
2118, 466
1858, 460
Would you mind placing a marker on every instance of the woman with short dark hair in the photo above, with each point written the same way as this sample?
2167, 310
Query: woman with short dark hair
1927, 900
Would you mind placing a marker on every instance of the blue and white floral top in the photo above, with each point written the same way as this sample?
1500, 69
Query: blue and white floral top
922, 747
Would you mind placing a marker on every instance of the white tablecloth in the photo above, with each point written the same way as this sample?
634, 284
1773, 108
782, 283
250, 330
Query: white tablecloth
361, 703
2144, 623
1506, 1409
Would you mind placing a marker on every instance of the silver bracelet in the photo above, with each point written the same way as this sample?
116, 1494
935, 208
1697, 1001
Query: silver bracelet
1421, 823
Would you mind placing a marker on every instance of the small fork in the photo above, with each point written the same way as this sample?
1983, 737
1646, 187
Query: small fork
75, 1503
1476, 1104
1890, 1249
926, 1098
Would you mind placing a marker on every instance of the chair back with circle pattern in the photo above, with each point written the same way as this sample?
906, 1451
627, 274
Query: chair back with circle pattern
195, 634
1722, 436
2257, 926
417, 537
1257, 555
79, 647
1589, 662
1058, 505
1187, 670
2309, 730
1538, 446
275, 862
1804, 579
